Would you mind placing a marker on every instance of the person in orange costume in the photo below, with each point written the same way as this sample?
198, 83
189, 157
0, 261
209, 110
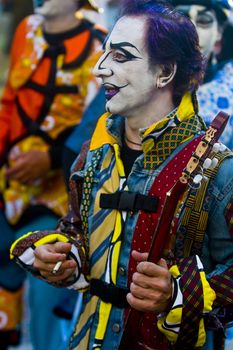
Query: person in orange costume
49, 87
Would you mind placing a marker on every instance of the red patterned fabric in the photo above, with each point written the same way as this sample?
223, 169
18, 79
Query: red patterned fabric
193, 302
147, 222
223, 287
144, 232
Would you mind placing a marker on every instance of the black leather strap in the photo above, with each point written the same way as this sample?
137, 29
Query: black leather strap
129, 201
109, 293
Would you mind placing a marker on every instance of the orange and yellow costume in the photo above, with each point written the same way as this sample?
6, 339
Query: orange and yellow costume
49, 86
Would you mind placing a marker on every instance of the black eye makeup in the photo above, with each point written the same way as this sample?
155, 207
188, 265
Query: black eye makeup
120, 54
205, 19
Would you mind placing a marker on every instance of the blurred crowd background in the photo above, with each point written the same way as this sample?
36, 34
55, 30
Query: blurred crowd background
13, 11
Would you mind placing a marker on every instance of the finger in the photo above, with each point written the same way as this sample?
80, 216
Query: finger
23, 177
47, 269
140, 304
14, 156
141, 280
52, 253
61, 247
139, 256
57, 278
141, 292
66, 265
149, 269
15, 171
162, 263
147, 305
47, 256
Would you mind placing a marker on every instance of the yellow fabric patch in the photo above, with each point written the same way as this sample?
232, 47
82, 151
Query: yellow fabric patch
56, 237
201, 334
101, 135
66, 101
51, 239
209, 293
175, 315
105, 309
186, 108
175, 271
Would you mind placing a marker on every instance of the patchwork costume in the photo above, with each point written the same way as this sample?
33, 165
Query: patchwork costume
118, 214
50, 85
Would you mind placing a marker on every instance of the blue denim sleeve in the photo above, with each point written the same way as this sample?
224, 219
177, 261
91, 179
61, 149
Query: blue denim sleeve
218, 245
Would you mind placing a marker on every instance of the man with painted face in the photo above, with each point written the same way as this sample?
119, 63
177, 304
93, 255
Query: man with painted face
210, 19
148, 237
50, 87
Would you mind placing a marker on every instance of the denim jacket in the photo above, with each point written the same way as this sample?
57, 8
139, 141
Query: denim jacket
215, 263
217, 248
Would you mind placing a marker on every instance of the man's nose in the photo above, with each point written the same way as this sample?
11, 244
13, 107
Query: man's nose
102, 68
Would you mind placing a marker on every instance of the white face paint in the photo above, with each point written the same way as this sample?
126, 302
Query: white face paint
124, 67
206, 25
57, 8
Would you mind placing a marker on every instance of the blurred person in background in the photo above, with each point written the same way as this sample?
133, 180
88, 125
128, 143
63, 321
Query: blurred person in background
50, 86
211, 20
226, 53
111, 12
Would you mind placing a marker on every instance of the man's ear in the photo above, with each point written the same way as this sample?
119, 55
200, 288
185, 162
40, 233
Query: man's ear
166, 75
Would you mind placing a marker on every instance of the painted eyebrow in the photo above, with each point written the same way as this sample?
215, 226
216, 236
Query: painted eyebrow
119, 45
123, 44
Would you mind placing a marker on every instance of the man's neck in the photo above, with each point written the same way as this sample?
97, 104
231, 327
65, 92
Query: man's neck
152, 112
163, 105
55, 25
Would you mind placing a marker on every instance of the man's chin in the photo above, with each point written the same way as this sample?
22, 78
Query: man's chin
111, 107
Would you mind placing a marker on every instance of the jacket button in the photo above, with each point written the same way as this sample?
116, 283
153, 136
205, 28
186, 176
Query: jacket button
116, 328
121, 271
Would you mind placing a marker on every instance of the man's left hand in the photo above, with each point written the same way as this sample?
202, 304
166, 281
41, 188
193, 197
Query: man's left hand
29, 166
151, 287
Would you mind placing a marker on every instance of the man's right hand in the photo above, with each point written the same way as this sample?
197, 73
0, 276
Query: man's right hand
46, 257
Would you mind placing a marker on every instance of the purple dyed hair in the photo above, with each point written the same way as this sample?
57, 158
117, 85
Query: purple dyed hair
170, 38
